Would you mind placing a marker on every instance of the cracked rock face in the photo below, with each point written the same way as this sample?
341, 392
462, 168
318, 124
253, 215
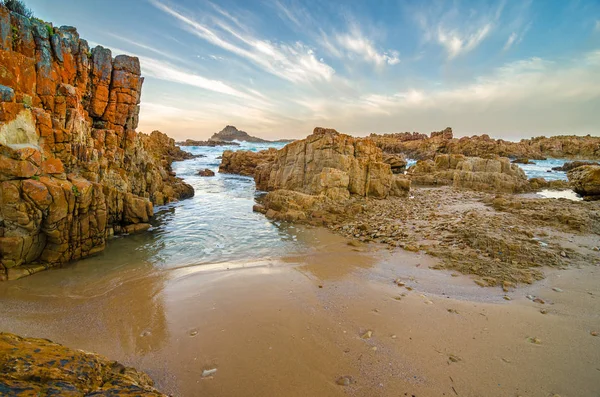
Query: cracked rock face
73, 170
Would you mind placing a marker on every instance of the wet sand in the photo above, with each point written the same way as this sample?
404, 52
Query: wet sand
293, 326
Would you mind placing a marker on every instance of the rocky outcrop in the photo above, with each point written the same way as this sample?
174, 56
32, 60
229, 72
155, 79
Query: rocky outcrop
39, 367
191, 142
244, 162
496, 174
73, 170
420, 147
230, 133
586, 181
332, 164
322, 171
568, 166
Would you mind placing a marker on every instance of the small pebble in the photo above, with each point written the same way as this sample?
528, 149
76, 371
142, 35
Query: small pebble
344, 381
506, 298
454, 358
594, 333
535, 340
557, 289
539, 300
367, 335
193, 333
209, 372
543, 311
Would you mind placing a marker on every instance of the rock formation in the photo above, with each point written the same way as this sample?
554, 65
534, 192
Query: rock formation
39, 367
476, 173
420, 147
72, 168
333, 164
191, 142
586, 181
244, 162
230, 133
568, 166
325, 169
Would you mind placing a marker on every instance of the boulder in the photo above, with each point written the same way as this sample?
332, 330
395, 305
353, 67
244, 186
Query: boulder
30, 366
586, 181
206, 172
244, 162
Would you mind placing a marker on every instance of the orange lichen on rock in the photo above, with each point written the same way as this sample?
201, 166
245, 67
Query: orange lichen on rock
73, 170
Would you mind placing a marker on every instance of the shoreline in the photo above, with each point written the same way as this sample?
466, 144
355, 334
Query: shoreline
294, 326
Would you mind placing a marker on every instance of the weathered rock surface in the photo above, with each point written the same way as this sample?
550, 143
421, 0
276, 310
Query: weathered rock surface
73, 170
244, 162
397, 162
329, 163
568, 166
419, 146
496, 174
586, 181
39, 367
311, 178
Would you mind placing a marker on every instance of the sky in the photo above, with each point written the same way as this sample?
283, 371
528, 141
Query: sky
278, 68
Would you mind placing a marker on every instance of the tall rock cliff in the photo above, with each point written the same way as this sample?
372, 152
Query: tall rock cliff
73, 170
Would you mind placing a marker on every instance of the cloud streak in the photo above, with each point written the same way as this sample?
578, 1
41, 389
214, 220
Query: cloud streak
295, 62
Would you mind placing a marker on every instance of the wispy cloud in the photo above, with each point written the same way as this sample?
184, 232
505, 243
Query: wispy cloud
597, 26
457, 43
295, 62
510, 41
355, 43
166, 71
457, 30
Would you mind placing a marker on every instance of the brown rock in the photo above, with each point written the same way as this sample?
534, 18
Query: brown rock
42, 367
244, 162
586, 181
206, 172
475, 173
72, 167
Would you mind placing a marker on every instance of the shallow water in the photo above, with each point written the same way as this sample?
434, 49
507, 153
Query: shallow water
217, 224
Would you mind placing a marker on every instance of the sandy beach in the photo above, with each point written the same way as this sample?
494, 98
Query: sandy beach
295, 326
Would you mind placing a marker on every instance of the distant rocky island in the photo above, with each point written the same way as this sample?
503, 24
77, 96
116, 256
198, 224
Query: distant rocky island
227, 136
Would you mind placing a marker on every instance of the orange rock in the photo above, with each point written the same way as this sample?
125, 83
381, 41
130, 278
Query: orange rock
53, 166
10, 168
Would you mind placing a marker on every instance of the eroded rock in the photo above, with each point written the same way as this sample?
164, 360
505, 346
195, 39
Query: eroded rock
30, 366
73, 170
